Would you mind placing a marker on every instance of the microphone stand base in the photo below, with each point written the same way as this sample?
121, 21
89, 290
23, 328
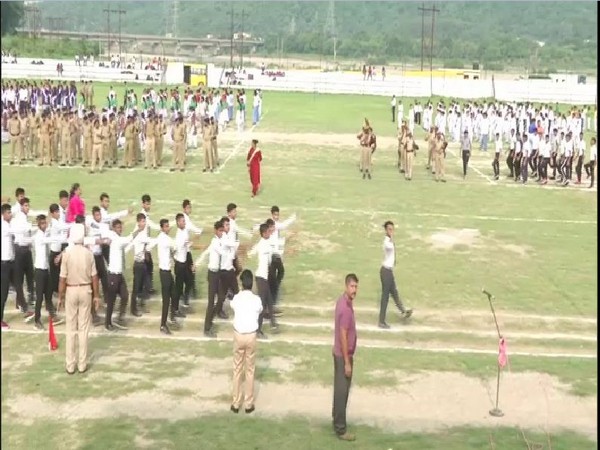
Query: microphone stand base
496, 412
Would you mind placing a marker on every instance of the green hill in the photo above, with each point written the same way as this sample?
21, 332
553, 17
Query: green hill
502, 33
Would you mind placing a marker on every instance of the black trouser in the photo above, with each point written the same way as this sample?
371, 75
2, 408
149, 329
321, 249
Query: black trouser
560, 166
116, 285
139, 276
23, 269
213, 289
147, 284
553, 164
105, 254
566, 168
181, 274
589, 170
167, 287
264, 292
276, 274
517, 166
54, 271
466, 154
496, 165
341, 392
102, 274
43, 291
543, 174
524, 169
418, 118
227, 281
6, 278
510, 163
533, 160
388, 286
393, 113
578, 168
191, 279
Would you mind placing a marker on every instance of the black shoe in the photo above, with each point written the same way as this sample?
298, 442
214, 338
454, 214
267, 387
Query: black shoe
136, 313
223, 315
383, 326
180, 314
369, 175
110, 328
406, 314
38, 325
210, 334
234, 410
364, 175
165, 330
249, 410
119, 324
261, 335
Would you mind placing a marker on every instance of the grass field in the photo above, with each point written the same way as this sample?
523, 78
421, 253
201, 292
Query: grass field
427, 383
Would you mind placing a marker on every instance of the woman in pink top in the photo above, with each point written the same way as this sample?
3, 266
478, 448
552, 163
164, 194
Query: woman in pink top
76, 206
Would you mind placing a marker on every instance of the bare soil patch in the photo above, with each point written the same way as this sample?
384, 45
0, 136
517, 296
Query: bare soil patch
424, 402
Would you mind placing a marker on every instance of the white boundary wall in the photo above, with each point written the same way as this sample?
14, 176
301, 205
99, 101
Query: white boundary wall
539, 91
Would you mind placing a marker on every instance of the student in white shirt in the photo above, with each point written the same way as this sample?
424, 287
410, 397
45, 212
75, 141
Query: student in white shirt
8, 258
510, 159
182, 245
590, 167
166, 248
386, 275
264, 250
108, 218
276, 269
545, 152
567, 165
496, 161
191, 277
580, 155
227, 275
525, 152
247, 308
215, 253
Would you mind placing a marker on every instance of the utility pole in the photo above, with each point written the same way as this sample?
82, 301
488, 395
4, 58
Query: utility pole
107, 11
120, 12
422, 9
32, 18
433, 11
231, 13
244, 15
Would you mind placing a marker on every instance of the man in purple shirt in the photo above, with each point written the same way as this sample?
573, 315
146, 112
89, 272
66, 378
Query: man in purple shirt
344, 346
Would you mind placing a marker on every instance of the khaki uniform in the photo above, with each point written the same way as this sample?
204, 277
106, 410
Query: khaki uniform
45, 133
25, 137
129, 151
76, 138
65, 139
430, 138
179, 146
105, 140
213, 143
97, 148
160, 141
403, 140
410, 156
16, 145
136, 142
78, 268
34, 136
112, 141
366, 152
89, 98
54, 138
206, 146
87, 141
150, 148
439, 160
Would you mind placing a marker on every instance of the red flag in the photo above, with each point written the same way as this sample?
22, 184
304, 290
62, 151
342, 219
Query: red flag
502, 355
52, 342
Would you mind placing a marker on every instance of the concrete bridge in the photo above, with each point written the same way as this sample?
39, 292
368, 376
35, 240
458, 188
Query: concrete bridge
151, 45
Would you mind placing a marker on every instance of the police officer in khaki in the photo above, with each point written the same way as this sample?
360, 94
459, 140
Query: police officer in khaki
160, 139
129, 150
410, 155
25, 136
206, 146
440, 154
34, 137
150, 148
112, 139
78, 284
136, 139
178, 136
213, 141
402, 147
97, 147
65, 140
14, 129
45, 146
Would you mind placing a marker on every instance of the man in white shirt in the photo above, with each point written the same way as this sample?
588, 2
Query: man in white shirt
567, 165
166, 248
182, 245
496, 161
264, 250
247, 309
23, 255
386, 275
58, 228
484, 130
43, 288
8, 258
191, 278
545, 151
19, 195
215, 254
580, 151
525, 152
140, 255
235, 231
99, 229
276, 268
590, 167
510, 159
147, 285
393, 105
108, 219
227, 275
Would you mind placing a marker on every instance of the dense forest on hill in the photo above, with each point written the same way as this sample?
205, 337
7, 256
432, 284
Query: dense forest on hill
541, 34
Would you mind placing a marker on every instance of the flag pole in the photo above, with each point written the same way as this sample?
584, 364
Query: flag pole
495, 412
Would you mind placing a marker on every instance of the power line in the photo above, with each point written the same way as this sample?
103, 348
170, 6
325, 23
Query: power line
108, 13
433, 11
231, 13
32, 19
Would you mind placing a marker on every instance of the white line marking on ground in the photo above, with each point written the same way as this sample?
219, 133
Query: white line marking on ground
320, 344
410, 329
394, 213
236, 148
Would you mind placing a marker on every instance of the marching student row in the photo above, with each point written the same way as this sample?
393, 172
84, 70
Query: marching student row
106, 240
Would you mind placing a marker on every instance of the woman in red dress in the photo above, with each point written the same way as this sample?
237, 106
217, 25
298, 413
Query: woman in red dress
253, 162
